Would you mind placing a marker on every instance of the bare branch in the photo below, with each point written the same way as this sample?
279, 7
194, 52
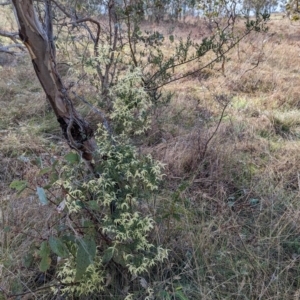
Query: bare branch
6, 49
12, 35
75, 20
9, 34
95, 40
4, 3
63, 9
216, 129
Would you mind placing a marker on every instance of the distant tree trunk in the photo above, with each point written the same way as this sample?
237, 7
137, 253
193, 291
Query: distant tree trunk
38, 39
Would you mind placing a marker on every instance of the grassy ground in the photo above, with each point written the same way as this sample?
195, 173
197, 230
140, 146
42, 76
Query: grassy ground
228, 210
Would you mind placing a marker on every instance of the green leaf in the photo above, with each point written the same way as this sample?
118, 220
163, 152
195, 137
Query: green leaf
79, 203
45, 264
58, 247
45, 255
69, 238
119, 255
53, 176
47, 187
19, 185
28, 259
16, 287
69, 241
171, 38
44, 250
42, 195
54, 163
39, 162
180, 295
108, 255
94, 205
45, 171
254, 201
72, 157
85, 256
7, 229
164, 295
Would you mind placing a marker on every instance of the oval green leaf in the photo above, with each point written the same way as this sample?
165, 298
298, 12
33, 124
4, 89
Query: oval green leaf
85, 256
58, 247
42, 195
72, 157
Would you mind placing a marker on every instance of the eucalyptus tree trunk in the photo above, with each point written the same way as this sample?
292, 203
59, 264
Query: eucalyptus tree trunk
38, 39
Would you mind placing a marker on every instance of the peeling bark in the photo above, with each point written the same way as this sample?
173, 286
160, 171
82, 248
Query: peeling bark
39, 43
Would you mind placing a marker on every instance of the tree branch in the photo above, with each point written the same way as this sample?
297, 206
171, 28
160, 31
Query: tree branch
6, 49
63, 9
95, 40
11, 35
205, 66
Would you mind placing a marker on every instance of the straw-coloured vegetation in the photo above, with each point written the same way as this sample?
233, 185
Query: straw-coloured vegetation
196, 197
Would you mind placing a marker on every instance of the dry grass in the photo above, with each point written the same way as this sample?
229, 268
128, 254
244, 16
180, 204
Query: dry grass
230, 214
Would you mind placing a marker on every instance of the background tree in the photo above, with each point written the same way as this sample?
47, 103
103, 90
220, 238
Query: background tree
260, 6
292, 9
